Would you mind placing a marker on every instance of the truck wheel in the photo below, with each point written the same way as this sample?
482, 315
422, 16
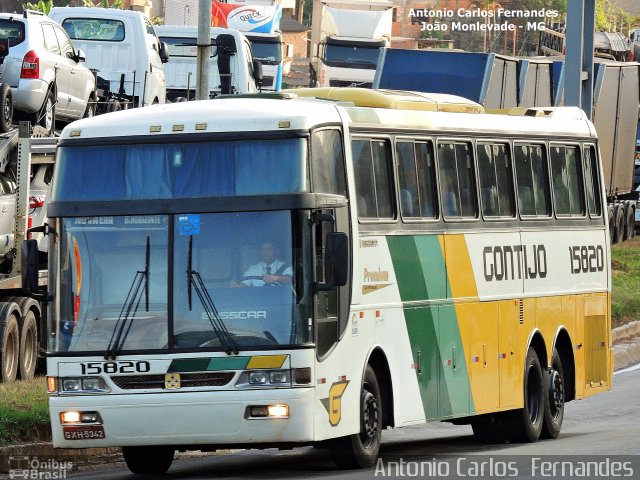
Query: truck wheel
618, 234
525, 424
631, 224
10, 346
554, 399
612, 226
361, 449
28, 346
6, 103
148, 460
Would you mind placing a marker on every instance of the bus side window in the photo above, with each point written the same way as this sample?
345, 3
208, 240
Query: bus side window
327, 162
532, 180
567, 181
496, 180
455, 165
372, 170
591, 181
416, 178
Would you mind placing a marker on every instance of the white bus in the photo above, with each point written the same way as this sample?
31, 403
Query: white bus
434, 262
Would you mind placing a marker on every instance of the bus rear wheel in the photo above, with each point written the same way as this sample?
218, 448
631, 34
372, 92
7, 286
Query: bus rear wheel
148, 460
554, 399
361, 450
525, 424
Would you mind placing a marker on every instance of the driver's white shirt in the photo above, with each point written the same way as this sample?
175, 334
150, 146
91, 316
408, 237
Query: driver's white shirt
260, 270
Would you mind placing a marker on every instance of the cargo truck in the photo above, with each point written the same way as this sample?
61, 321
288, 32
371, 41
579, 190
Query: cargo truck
231, 66
260, 22
346, 40
26, 167
499, 82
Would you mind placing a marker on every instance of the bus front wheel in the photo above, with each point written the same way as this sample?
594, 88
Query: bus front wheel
525, 424
148, 460
361, 450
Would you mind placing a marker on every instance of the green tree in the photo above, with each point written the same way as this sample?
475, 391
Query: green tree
104, 3
41, 6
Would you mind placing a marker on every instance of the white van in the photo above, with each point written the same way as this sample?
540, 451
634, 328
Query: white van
231, 67
123, 47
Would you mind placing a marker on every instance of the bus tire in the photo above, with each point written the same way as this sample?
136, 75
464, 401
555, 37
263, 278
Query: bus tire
10, 346
154, 460
525, 424
28, 346
361, 450
490, 431
554, 399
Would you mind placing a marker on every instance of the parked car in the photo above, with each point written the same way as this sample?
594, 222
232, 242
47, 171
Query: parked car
46, 74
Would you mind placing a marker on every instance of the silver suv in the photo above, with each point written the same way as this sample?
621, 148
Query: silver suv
45, 73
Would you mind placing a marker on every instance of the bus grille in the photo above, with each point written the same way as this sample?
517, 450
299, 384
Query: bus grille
202, 379
267, 81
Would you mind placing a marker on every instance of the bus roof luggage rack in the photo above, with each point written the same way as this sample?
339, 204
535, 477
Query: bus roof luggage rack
392, 99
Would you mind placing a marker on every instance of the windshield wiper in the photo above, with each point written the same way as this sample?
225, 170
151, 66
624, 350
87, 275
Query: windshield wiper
139, 286
195, 280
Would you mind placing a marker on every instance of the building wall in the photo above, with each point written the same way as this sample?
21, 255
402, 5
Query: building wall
299, 42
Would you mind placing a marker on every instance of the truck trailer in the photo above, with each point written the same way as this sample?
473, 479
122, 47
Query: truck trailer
502, 83
26, 167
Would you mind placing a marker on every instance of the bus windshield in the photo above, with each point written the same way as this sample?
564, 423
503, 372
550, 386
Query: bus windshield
127, 283
181, 170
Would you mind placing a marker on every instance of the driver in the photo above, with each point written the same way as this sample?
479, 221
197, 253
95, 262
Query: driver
270, 271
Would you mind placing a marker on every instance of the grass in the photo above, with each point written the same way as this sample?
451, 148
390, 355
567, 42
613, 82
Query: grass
625, 297
24, 412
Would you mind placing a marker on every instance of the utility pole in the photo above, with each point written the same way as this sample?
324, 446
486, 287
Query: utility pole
203, 49
578, 86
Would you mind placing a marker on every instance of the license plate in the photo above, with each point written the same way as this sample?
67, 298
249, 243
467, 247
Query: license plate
83, 432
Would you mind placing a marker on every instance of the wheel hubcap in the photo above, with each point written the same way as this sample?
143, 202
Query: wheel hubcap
7, 109
556, 393
48, 116
28, 350
369, 418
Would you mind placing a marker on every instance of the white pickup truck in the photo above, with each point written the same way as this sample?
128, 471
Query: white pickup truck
124, 49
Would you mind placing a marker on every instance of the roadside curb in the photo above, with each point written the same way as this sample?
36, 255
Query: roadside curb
626, 345
629, 330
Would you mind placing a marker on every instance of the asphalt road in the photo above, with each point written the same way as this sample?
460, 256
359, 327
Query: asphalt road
603, 430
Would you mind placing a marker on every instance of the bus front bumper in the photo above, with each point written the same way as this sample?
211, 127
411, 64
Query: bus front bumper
184, 418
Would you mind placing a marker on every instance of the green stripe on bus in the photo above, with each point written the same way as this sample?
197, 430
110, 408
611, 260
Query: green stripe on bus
433, 331
182, 365
188, 365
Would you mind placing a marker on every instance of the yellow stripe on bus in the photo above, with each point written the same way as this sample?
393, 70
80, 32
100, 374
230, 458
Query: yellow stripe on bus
266, 361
